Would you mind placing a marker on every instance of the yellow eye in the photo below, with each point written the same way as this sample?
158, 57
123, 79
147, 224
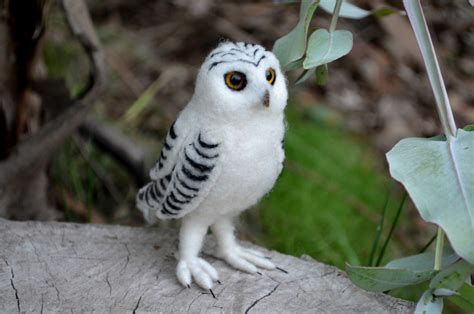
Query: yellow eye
270, 75
235, 80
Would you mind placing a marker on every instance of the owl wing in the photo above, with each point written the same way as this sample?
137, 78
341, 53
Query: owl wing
183, 176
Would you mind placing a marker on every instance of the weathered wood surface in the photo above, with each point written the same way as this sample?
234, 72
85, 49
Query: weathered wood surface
59, 267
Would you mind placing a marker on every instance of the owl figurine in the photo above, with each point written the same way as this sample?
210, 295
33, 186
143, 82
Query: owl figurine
223, 153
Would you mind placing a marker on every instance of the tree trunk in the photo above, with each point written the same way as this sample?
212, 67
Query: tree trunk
59, 267
36, 115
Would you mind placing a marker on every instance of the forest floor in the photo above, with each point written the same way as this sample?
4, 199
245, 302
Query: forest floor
330, 197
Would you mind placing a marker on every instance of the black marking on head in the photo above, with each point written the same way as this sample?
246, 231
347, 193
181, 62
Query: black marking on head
202, 154
200, 167
215, 54
192, 176
255, 51
228, 54
241, 51
204, 144
256, 64
185, 185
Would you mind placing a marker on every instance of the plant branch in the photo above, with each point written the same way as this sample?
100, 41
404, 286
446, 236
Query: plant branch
418, 23
38, 147
439, 249
335, 15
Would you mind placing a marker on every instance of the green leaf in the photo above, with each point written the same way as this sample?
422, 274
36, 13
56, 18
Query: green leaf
379, 279
429, 304
423, 261
322, 74
324, 47
469, 128
439, 177
453, 276
348, 10
382, 12
465, 298
292, 46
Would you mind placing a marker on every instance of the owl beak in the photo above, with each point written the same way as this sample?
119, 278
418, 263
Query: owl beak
266, 99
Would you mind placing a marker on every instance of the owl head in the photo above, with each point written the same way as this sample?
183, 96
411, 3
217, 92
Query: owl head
238, 78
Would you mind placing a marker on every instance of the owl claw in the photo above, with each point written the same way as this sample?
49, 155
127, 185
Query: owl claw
247, 260
198, 270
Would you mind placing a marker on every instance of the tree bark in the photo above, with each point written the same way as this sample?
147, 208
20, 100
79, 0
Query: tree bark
59, 267
25, 148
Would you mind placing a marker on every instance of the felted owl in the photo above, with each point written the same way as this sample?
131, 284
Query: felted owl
223, 153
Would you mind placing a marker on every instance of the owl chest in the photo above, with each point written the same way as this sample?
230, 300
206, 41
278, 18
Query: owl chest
253, 162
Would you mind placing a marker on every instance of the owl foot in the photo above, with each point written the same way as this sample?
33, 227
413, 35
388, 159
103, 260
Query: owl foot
198, 269
246, 260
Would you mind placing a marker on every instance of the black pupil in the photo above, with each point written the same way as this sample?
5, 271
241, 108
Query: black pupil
235, 79
269, 75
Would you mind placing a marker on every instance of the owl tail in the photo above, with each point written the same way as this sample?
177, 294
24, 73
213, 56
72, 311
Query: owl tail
145, 204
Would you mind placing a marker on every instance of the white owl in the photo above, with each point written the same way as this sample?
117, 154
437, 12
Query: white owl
223, 153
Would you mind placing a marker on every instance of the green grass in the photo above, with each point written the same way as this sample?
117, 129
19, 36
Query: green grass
328, 200
101, 188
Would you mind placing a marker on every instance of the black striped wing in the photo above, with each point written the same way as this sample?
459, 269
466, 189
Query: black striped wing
178, 189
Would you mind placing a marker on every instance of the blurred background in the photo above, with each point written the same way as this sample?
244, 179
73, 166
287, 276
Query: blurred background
335, 186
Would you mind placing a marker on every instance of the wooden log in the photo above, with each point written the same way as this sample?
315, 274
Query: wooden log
63, 267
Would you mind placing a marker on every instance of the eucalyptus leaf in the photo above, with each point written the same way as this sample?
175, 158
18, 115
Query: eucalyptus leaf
423, 261
348, 10
324, 47
295, 65
453, 276
429, 304
379, 279
443, 292
306, 74
292, 46
439, 176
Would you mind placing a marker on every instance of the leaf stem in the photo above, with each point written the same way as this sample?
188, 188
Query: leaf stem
439, 249
418, 23
379, 229
335, 15
392, 229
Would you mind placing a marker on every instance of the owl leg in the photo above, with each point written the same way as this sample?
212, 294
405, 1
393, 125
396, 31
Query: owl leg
190, 265
237, 256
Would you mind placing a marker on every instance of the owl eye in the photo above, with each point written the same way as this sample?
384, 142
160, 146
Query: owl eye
270, 75
235, 80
